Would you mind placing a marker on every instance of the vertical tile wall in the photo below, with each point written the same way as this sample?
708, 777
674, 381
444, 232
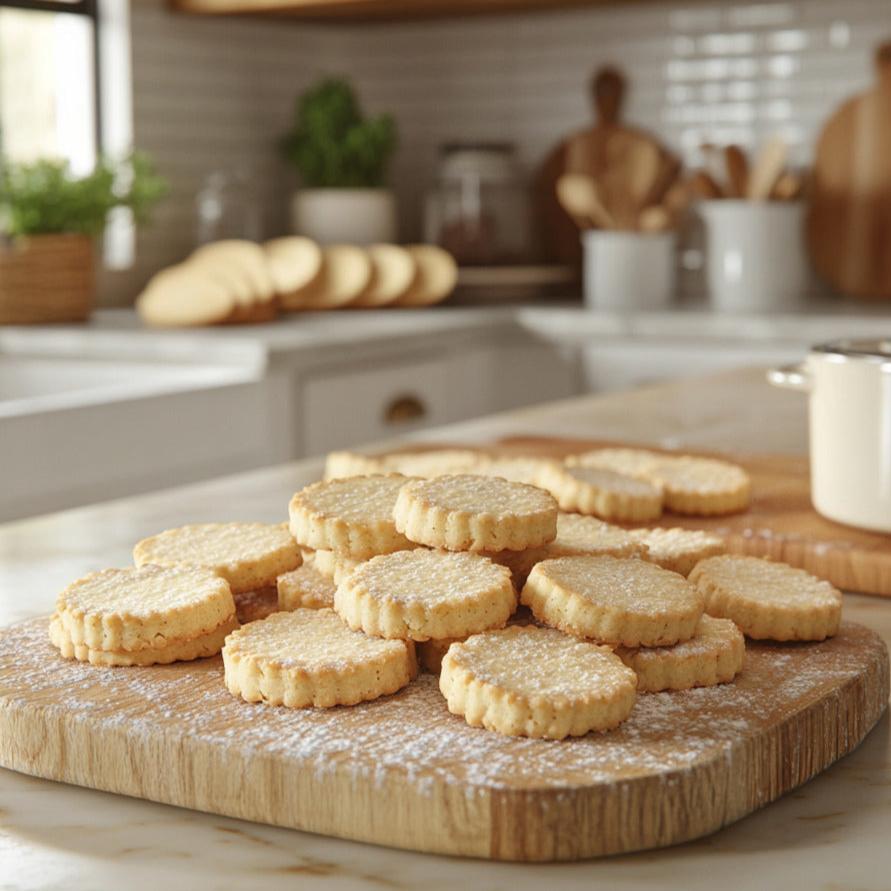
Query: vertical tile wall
215, 93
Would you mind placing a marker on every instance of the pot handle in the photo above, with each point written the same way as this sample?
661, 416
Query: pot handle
790, 377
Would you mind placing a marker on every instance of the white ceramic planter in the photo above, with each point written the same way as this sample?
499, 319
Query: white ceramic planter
849, 383
628, 270
755, 256
345, 216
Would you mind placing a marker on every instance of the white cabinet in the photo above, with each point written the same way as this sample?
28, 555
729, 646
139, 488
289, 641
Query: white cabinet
346, 405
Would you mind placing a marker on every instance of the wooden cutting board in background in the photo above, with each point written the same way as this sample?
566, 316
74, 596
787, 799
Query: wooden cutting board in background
402, 771
607, 152
849, 223
781, 522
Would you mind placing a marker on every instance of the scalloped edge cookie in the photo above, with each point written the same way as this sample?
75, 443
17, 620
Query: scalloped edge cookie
714, 655
596, 491
339, 677
486, 701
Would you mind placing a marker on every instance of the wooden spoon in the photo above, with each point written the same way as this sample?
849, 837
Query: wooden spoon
788, 187
737, 171
768, 169
703, 185
579, 196
655, 218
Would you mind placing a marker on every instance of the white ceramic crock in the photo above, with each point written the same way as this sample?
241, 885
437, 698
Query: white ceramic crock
345, 216
755, 256
849, 382
628, 270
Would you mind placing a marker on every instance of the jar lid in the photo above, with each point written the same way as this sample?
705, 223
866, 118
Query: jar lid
878, 349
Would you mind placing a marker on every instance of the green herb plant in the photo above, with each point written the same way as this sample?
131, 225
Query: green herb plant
332, 145
45, 197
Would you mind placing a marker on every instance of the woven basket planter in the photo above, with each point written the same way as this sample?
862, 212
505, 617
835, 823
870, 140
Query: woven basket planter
46, 278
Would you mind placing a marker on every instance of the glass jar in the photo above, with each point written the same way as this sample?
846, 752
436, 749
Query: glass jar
479, 210
228, 206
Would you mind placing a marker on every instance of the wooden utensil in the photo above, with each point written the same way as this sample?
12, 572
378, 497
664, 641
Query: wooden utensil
580, 197
704, 186
655, 218
737, 165
607, 153
788, 187
767, 170
849, 225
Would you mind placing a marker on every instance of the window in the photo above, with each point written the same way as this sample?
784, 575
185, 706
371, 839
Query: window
53, 101
48, 81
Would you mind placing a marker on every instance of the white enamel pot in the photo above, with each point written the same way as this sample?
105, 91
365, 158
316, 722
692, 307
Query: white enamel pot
849, 384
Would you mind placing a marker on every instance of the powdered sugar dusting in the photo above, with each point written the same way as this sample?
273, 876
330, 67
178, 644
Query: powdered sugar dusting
411, 735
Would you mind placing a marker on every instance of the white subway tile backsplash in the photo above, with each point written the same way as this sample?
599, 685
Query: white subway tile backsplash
218, 93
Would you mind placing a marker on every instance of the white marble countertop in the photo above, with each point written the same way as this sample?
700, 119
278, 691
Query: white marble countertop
118, 333
829, 834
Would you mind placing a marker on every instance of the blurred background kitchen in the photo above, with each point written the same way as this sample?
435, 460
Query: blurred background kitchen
241, 231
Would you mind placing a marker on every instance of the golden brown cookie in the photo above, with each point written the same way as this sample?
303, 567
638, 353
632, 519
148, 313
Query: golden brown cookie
352, 516
143, 609
614, 600
678, 549
530, 681
714, 655
701, 486
305, 588
767, 600
422, 594
603, 493
309, 657
247, 555
474, 513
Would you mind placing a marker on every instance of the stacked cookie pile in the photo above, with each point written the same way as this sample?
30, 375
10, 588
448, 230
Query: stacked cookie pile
540, 622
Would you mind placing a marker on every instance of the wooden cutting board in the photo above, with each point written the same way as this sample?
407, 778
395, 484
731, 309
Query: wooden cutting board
781, 522
606, 151
402, 771
849, 223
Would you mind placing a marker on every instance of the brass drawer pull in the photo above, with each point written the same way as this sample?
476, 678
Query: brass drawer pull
403, 409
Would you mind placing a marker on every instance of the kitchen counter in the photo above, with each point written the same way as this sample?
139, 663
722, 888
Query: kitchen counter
831, 833
112, 333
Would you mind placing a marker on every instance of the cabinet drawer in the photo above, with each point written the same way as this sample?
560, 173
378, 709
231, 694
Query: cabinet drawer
347, 407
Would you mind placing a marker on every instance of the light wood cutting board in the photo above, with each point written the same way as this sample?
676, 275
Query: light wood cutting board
849, 223
781, 522
404, 772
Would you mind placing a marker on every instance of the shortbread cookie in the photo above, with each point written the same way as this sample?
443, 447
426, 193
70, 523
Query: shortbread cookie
577, 536
185, 650
431, 652
247, 555
351, 515
475, 513
252, 606
323, 562
145, 608
679, 549
517, 470
433, 463
310, 658
421, 594
343, 463
631, 462
714, 655
306, 588
702, 486
536, 682
767, 600
603, 493
614, 600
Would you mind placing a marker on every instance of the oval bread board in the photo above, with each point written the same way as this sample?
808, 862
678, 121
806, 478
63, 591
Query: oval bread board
403, 772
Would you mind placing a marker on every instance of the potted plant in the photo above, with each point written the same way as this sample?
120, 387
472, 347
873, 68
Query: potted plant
342, 159
49, 219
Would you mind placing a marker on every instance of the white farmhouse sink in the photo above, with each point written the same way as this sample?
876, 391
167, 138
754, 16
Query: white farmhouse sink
34, 384
75, 431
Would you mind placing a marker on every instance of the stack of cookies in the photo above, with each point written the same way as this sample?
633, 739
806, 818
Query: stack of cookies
540, 622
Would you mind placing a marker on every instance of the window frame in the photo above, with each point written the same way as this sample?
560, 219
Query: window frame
89, 9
